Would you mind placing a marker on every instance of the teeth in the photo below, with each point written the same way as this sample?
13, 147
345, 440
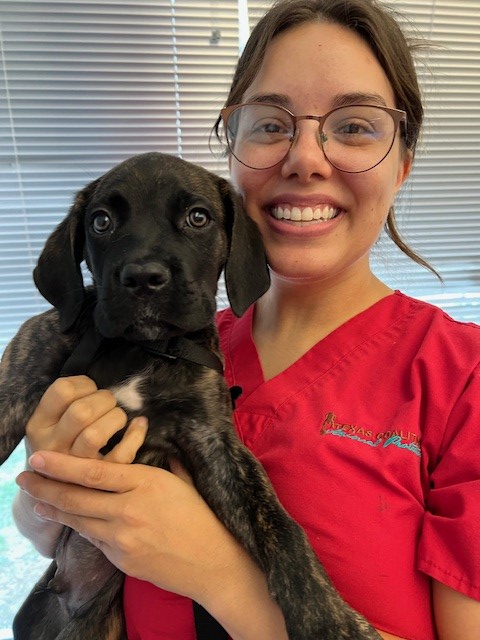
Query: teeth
304, 215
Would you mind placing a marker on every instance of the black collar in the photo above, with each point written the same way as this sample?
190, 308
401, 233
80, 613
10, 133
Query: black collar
180, 347
173, 348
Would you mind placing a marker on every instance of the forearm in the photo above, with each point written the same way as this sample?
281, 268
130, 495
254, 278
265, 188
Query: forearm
240, 601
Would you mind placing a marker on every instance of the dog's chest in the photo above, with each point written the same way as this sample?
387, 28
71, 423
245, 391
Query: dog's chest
129, 393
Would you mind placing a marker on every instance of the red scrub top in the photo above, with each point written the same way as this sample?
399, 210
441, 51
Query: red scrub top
371, 440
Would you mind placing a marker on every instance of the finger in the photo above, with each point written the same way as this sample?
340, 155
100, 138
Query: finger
83, 413
58, 397
65, 502
92, 438
95, 530
87, 472
126, 450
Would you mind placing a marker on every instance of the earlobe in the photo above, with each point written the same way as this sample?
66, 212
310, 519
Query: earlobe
404, 168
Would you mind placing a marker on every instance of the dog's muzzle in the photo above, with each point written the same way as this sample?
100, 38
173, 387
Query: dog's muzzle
144, 279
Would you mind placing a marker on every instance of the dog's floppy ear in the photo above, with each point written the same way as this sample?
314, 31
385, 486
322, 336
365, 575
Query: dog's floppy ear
246, 271
57, 275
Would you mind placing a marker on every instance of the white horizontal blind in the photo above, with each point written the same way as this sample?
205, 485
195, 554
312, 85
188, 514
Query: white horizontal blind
84, 85
439, 209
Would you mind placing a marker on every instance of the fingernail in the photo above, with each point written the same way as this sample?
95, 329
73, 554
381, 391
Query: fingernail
40, 510
20, 480
36, 461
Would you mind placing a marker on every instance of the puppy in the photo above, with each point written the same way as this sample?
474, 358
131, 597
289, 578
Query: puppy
156, 233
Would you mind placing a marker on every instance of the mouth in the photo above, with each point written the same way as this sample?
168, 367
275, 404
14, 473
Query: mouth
314, 214
145, 331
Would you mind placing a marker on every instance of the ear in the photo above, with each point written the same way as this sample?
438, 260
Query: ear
57, 275
246, 271
404, 168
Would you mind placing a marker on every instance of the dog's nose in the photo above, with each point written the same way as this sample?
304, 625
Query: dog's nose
144, 278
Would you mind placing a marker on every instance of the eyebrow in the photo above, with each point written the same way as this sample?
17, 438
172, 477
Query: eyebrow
340, 100
272, 98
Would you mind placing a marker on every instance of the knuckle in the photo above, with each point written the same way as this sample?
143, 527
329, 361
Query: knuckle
95, 475
65, 501
91, 439
107, 396
123, 542
129, 515
63, 390
66, 390
80, 412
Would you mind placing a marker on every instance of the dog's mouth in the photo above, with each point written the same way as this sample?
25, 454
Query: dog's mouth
141, 331
153, 319
141, 328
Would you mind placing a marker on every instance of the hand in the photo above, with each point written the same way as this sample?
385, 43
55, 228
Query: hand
75, 417
150, 523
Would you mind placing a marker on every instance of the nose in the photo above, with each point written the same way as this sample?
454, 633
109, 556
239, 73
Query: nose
306, 158
145, 278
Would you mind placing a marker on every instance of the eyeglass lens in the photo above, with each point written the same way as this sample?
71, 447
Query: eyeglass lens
354, 138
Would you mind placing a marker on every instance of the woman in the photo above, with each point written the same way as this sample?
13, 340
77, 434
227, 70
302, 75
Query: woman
361, 403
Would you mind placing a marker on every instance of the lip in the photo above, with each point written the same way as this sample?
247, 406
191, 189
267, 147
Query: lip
303, 229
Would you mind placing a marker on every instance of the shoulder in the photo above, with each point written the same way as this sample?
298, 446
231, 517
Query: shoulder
436, 331
227, 323
224, 318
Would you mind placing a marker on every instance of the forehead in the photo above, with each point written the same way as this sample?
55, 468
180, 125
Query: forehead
315, 64
159, 177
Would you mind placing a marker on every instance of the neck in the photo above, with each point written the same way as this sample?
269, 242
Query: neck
314, 307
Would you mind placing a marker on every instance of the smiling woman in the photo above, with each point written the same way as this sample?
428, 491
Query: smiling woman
83, 88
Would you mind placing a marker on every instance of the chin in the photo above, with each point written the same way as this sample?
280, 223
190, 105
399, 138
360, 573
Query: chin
282, 270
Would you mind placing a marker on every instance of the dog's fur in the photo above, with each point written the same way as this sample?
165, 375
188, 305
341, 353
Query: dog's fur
156, 233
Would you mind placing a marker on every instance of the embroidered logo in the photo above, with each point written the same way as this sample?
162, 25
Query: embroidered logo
399, 438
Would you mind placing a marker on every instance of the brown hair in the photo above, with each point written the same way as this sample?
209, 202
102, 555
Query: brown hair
377, 25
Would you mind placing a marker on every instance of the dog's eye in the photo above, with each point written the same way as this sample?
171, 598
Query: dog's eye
198, 217
101, 222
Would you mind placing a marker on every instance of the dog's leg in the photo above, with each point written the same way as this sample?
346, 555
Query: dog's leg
79, 597
31, 362
103, 620
40, 617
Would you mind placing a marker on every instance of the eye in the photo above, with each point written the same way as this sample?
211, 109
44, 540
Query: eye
197, 217
101, 222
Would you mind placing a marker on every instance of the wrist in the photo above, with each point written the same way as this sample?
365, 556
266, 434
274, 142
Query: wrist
240, 601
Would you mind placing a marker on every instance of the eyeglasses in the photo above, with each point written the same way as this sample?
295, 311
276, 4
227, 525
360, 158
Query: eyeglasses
354, 138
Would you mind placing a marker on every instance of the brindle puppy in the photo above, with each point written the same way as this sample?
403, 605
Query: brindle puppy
156, 233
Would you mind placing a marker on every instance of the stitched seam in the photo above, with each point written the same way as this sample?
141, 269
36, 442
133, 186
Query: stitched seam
459, 579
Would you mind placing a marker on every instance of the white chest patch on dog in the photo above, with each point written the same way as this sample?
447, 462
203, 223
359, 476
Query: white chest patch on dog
128, 394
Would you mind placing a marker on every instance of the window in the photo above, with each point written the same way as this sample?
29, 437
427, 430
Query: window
85, 84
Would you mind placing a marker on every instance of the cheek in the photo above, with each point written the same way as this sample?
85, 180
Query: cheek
250, 184
376, 190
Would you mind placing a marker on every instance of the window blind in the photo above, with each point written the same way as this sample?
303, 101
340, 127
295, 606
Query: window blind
439, 208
